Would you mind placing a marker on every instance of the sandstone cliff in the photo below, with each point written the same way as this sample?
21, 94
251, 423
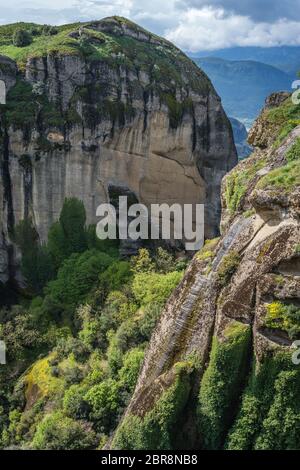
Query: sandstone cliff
101, 106
219, 372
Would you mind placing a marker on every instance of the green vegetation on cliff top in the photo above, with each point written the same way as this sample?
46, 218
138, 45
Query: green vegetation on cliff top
285, 177
115, 40
285, 118
41, 44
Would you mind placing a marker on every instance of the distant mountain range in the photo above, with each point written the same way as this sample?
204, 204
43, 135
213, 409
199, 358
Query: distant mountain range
243, 85
285, 58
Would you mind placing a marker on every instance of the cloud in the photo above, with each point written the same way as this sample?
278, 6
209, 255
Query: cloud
194, 25
257, 10
214, 28
62, 11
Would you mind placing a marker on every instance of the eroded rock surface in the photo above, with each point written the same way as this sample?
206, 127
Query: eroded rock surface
127, 109
228, 329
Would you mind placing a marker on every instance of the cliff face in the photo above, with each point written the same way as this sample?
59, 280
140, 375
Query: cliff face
219, 372
111, 106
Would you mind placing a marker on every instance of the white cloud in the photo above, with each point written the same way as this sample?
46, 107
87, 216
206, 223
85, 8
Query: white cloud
102, 8
213, 28
188, 23
258, 10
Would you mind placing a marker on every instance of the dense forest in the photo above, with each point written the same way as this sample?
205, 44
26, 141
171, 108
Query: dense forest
76, 340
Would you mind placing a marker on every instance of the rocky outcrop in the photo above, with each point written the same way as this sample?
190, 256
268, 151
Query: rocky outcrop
276, 99
229, 328
8, 71
126, 108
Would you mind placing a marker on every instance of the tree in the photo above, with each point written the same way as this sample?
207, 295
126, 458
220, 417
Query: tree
59, 432
49, 30
129, 372
116, 276
68, 235
37, 268
21, 38
75, 279
36, 264
164, 261
57, 244
25, 235
142, 263
72, 220
111, 247
106, 403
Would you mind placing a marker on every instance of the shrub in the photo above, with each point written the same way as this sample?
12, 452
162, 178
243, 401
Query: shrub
21, 38
48, 30
94, 327
286, 117
129, 372
164, 261
114, 354
72, 346
149, 320
116, 276
154, 287
269, 413
74, 404
104, 400
21, 335
207, 252
142, 263
281, 427
237, 183
294, 152
285, 317
59, 432
228, 267
75, 279
21, 107
89, 334
119, 306
286, 178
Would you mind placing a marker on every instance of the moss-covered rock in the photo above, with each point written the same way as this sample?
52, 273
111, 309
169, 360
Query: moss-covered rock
157, 428
222, 383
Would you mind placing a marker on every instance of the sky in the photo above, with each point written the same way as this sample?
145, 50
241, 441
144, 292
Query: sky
193, 25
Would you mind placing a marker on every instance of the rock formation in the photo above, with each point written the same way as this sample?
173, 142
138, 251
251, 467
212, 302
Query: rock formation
218, 371
111, 105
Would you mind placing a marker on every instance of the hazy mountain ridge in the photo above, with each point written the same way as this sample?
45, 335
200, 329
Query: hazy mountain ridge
243, 85
285, 58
